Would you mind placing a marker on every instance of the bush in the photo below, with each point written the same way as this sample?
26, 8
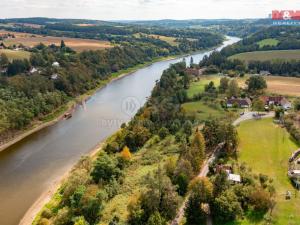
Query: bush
105, 168
163, 133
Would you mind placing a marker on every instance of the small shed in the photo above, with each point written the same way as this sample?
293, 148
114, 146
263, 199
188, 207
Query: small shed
234, 178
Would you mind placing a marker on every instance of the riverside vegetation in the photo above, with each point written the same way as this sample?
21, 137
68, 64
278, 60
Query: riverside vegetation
143, 171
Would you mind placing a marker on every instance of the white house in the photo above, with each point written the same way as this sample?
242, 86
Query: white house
33, 70
234, 177
55, 64
54, 76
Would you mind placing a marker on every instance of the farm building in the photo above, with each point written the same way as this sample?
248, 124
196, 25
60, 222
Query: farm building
195, 71
239, 102
277, 100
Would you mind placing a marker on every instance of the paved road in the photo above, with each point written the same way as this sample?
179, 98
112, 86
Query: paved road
250, 116
205, 168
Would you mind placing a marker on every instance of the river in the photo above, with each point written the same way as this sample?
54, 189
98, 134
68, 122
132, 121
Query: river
30, 166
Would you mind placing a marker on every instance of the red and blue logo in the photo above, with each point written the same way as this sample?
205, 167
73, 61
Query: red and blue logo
286, 17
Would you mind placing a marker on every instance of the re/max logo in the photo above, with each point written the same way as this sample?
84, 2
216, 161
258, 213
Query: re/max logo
286, 15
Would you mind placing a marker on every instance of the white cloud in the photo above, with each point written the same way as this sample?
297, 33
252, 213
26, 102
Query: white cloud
143, 9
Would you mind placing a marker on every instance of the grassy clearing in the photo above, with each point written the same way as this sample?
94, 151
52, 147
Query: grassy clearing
12, 54
198, 87
268, 55
266, 148
203, 111
268, 42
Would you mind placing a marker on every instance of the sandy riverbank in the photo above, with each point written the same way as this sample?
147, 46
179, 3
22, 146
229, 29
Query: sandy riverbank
49, 193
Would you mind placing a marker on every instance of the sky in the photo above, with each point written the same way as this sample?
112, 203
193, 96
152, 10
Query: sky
144, 9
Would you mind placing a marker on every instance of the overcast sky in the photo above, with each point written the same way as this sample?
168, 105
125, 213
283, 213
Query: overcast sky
143, 9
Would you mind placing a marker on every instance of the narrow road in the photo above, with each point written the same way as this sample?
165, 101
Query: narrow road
205, 168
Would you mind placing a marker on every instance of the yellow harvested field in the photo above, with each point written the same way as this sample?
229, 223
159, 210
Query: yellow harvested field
30, 40
284, 85
289, 86
12, 54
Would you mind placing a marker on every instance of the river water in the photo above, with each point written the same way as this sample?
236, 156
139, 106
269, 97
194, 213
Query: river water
30, 166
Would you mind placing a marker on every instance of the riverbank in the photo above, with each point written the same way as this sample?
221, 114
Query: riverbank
59, 113
33, 212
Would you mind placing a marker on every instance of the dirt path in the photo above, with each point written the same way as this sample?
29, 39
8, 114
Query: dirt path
205, 168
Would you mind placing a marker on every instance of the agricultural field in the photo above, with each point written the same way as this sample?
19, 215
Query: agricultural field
77, 44
268, 42
289, 86
12, 54
268, 55
266, 148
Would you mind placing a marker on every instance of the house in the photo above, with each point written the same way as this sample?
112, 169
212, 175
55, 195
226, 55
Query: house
33, 70
192, 71
3, 70
264, 73
235, 178
55, 64
277, 100
225, 168
240, 102
54, 76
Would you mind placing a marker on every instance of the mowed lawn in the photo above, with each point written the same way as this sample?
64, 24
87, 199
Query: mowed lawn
268, 55
198, 87
12, 54
268, 42
266, 148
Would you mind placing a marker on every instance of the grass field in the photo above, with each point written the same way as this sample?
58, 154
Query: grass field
77, 44
11, 54
266, 148
268, 55
289, 86
268, 42
198, 87
202, 111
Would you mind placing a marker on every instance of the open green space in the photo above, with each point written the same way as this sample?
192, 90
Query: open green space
203, 111
284, 55
266, 148
12, 54
198, 87
268, 42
